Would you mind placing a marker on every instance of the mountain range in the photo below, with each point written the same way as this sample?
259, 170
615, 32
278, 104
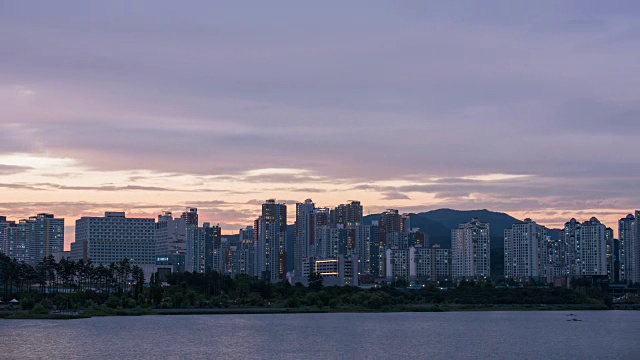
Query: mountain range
439, 223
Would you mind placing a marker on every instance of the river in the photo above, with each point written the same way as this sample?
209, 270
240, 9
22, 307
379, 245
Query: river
451, 335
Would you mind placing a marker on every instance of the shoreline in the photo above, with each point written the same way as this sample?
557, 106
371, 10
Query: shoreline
86, 314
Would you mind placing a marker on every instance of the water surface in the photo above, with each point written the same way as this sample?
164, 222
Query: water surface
452, 335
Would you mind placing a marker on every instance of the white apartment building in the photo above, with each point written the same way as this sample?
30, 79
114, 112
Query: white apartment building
3, 225
363, 248
524, 251
431, 263
304, 243
398, 264
627, 236
418, 264
16, 241
31, 240
471, 251
114, 237
47, 237
635, 251
591, 252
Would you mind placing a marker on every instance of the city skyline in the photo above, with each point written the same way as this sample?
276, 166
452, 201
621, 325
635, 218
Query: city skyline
527, 109
335, 242
70, 231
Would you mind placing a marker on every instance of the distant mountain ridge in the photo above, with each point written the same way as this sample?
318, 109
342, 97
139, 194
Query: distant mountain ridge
439, 223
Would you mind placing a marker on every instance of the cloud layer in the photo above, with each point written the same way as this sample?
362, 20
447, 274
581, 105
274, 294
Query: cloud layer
526, 108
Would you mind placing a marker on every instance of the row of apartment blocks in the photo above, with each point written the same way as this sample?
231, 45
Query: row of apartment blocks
31, 240
335, 243
586, 248
468, 259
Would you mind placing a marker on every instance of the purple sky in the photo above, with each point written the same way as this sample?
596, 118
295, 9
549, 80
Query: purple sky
408, 104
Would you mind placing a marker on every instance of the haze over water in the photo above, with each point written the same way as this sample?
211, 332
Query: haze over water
452, 335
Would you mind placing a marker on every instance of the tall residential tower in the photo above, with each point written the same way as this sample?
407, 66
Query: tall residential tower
271, 238
471, 251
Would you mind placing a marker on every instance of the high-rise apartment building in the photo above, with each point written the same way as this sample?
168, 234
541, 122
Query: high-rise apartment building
552, 265
190, 216
629, 243
240, 261
432, 263
171, 241
523, 251
114, 237
16, 239
246, 240
377, 251
571, 239
47, 237
348, 215
394, 229
591, 253
418, 264
325, 236
226, 257
585, 248
195, 245
471, 251
216, 258
271, 238
626, 240
347, 219
212, 239
304, 245
196, 237
33, 239
389, 228
363, 249
3, 225
616, 262
611, 256
635, 250
398, 264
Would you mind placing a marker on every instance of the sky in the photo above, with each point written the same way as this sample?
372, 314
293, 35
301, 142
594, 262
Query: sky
529, 108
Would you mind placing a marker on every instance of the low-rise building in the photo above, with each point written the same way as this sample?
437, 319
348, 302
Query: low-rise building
339, 271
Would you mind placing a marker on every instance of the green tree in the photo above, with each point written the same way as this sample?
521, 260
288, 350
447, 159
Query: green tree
315, 281
27, 303
39, 309
156, 289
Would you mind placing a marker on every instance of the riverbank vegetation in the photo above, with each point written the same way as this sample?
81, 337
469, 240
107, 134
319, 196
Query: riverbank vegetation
79, 289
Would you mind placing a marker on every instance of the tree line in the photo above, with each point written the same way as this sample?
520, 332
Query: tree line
66, 276
120, 287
